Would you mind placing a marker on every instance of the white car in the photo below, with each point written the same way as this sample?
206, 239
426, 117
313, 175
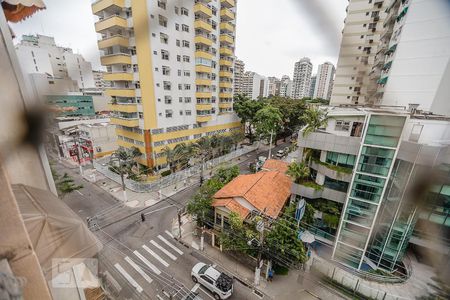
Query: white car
220, 284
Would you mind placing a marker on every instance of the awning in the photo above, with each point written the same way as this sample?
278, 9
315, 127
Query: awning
383, 80
391, 49
387, 65
402, 14
18, 10
54, 229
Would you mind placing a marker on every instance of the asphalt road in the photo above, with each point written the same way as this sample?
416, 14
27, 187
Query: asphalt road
143, 259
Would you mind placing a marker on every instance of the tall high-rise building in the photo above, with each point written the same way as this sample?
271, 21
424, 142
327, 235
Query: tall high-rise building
273, 88
324, 81
100, 83
255, 85
40, 54
302, 78
239, 70
170, 64
286, 87
312, 86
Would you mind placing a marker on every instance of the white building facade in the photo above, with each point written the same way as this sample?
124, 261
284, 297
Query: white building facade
302, 78
324, 81
255, 85
239, 70
286, 87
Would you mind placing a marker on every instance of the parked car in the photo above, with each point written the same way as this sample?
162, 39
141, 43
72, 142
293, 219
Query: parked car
192, 296
280, 153
218, 283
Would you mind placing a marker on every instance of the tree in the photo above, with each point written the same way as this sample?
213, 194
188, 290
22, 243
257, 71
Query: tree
235, 237
170, 157
181, 154
268, 120
225, 175
314, 118
246, 109
236, 137
298, 171
291, 110
66, 185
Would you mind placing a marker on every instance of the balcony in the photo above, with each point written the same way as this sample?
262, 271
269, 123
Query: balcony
129, 145
227, 39
225, 105
228, 3
331, 142
117, 40
225, 74
115, 59
200, 81
125, 122
203, 10
124, 107
225, 95
332, 171
119, 76
203, 54
204, 106
130, 134
226, 62
225, 84
120, 92
202, 25
111, 6
310, 192
227, 26
202, 69
226, 14
226, 51
200, 39
203, 94
203, 119
113, 22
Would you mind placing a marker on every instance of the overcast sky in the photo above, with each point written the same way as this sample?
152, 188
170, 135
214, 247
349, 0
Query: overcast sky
271, 34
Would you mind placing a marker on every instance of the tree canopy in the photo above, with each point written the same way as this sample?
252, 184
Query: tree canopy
268, 120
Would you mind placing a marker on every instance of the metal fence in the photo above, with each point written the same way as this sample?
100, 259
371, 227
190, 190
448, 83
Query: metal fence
177, 177
353, 283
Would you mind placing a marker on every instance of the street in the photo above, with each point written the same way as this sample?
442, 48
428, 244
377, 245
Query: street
143, 258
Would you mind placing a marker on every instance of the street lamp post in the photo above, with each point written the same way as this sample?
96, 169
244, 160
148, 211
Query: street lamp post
77, 145
270, 145
124, 188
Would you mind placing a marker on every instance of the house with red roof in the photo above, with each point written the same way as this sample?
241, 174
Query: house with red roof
265, 192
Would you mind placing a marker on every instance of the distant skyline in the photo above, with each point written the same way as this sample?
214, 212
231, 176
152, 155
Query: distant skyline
271, 35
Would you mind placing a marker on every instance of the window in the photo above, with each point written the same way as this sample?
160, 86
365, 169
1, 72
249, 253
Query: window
185, 28
166, 70
179, 58
177, 43
162, 4
180, 99
179, 72
187, 99
180, 86
167, 85
342, 125
188, 112
165, 54
187, 86
177, 27
186, 58
184, 11
169, 113
177, 10
185, 44
187, 73
162, 21
164, 38
167, 99
181, 112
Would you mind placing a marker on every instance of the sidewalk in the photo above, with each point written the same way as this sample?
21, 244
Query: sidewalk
296, 285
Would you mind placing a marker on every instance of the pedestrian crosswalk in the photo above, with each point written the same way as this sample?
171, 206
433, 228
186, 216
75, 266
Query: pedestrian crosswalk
147, 264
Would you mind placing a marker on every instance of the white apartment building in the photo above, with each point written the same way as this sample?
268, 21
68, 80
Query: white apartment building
286, 87
255, 85
40, 54
324, 81
239, 70
412, 63
100, 83
302, 78
44, 85
171, 66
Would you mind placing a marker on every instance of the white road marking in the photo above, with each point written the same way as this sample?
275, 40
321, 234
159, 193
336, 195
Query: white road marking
169, 233
195, 245
139, 270
173, 257
79, 192
145, 261
214, 265
155, 256
159, 297
128, 277
170, 245
195, 288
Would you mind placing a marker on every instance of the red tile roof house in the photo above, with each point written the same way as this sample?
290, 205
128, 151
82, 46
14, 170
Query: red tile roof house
264, 192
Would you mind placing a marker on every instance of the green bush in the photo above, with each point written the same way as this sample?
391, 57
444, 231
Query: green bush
280, 270
166, 173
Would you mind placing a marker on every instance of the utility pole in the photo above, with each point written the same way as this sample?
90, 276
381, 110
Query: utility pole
179, 223
270, 145
201, 171
124, 188
260, 228
77, 145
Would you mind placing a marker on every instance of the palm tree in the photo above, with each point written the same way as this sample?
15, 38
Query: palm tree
182, 153
134, 154
298, 172
170, 157
314, 119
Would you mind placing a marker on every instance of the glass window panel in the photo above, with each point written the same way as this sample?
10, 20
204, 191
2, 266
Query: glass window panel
353, 235
375, 160
367, 187
384, 130
360, 212
348, 255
